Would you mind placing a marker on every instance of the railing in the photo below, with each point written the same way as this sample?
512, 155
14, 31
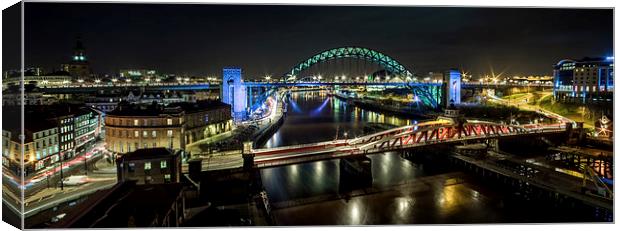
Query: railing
340, 148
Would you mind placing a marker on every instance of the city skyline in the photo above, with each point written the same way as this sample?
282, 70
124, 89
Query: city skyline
213, 115
268, 40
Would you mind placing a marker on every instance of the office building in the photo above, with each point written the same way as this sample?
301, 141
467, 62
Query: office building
588, 80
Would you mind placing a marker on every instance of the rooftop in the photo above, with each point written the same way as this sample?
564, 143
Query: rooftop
126, 109
37, 117
202, 105
125, 205
148, 153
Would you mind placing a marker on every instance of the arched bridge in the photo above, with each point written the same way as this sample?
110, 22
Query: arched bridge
387, 62
423, 134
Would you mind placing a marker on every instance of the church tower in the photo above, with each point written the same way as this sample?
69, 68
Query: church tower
79, 67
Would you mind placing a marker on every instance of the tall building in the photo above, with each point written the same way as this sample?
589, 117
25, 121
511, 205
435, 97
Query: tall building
79, 66
589, 80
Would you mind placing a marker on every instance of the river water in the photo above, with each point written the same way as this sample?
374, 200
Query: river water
402, 192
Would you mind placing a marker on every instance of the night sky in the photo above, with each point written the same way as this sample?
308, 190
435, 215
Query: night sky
269, 40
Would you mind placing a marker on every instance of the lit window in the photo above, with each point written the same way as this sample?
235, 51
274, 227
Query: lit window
147, 166
169, 121
136, 133
167, 178
169, 133
154, 134
135, 122
163, 164
145, 134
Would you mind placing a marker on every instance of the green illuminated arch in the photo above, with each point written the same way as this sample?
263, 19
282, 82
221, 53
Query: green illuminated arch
383, 60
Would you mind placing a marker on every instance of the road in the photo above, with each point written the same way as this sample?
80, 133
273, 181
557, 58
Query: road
102, 176
521, 103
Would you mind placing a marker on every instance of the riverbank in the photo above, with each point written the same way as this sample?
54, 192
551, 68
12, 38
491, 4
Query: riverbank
376, 106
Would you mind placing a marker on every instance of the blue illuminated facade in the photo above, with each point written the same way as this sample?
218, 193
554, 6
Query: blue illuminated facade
452, 88
234, 92
589, 80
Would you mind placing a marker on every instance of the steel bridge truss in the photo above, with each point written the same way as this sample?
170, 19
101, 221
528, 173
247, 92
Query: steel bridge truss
383, 60
436, 134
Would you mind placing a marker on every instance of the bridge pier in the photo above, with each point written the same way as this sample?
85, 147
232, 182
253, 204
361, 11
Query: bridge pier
247, 155
233, 92
452, 87
575, 135
355, 172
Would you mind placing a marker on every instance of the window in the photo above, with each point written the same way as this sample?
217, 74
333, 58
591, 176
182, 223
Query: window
131, 167
163, 164
167, 178
169, 133
135, 122
145, 134
154, 134
136, 133
144, 122
169, 121
147, 166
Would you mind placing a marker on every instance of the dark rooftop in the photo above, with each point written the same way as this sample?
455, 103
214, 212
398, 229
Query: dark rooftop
126, 109
125, 205
200, 105
37, 117
147, 153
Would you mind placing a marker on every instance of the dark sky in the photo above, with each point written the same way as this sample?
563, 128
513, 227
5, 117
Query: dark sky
201, 39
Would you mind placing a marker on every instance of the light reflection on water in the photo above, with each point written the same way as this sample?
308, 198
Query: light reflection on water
318, 118
315, 117
428, 201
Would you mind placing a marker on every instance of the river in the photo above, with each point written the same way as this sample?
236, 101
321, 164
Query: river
402, 192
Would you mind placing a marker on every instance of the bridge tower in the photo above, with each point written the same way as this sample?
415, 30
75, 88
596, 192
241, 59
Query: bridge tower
233, 92
452, 87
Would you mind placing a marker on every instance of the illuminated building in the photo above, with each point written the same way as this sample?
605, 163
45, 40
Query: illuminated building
585, 80
79, 66
57, 78
138, 74
133, 126
40, 142
204, 119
